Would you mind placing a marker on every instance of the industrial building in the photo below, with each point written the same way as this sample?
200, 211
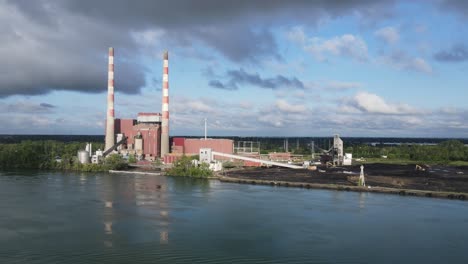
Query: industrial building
191, 146
147, 136
143, 135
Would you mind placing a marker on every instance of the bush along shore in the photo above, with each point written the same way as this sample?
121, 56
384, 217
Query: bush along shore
186, 168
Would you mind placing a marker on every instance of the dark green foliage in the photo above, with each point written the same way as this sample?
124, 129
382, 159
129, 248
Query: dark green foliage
451, 150
115, 162
132, 159
184, 167
41, 154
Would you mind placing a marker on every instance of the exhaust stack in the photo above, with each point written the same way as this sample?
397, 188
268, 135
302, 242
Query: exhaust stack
110, 137
165, 107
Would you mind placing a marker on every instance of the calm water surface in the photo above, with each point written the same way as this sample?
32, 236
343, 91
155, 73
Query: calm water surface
100, 218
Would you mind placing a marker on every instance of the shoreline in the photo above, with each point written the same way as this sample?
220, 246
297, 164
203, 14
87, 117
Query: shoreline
324, 186
403, 192
159, 174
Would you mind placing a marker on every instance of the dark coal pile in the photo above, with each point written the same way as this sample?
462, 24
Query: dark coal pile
432, 178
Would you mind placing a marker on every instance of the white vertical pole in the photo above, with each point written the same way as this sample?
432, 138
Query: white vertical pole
205, 129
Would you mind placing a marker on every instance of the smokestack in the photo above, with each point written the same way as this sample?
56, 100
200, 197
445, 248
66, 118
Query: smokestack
165, 107
110, 137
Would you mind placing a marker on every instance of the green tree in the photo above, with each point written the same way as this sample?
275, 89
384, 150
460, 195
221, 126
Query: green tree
115, 162
185, 167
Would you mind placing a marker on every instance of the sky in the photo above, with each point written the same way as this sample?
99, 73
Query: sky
359, 68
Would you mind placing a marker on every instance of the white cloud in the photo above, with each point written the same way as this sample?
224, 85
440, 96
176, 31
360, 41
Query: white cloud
246, 105
148, 37
339, 85
388, 34
199, 106
420, 65
347, 45
273, 120
374, 104
402, 61
420, 28
297, 35
284, 106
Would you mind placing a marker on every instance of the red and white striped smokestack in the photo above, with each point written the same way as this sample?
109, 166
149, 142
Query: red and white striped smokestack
165, 107
110, 137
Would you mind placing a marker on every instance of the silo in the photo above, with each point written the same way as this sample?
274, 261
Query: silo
83, 156
139, 145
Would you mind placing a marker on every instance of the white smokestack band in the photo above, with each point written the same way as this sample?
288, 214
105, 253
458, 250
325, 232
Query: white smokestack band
110, 137
165, 107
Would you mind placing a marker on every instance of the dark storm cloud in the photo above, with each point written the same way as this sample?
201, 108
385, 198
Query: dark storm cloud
230, 27
241, 77
219, 85
62, 53
457, 6
46, 105
62, 44
457, 53
27, 107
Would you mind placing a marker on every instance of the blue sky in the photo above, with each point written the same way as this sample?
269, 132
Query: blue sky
252, 68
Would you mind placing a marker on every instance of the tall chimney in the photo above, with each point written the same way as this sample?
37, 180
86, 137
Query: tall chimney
110, 137
165, 107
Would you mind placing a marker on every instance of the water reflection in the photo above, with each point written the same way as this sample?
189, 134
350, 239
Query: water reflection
152, 198
362, 200
121, 218
164, 237
108, 228
83, 179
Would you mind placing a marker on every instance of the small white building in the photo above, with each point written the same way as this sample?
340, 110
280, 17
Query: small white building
348, 159
205, 155
97, 157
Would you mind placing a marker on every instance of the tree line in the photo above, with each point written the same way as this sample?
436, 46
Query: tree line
51, 154
450, 150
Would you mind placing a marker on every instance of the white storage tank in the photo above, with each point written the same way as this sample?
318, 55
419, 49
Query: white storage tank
138, 144
83, 156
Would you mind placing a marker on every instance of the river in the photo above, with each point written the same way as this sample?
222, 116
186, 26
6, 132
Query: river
51, 217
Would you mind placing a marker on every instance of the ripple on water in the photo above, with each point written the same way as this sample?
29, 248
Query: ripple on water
54, 218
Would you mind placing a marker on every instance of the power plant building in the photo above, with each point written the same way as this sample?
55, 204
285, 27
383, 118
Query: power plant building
148, 135
143, 134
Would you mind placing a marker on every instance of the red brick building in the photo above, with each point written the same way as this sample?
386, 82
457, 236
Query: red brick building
148, 127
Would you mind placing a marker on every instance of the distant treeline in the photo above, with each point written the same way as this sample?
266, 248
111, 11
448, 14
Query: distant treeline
265, 142
47, 154
451, 150
8, 139
53, 154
